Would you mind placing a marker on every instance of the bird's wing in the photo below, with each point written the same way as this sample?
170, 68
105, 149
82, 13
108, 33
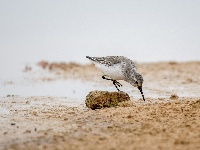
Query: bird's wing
112, 60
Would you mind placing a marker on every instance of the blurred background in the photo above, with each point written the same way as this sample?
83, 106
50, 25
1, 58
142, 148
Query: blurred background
68, 30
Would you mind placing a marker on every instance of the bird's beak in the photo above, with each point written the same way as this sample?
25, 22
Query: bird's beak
140, 89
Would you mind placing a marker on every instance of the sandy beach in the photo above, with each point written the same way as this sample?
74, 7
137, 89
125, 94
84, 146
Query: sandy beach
168, 119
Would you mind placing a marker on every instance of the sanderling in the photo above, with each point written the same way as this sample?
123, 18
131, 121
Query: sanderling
119, 68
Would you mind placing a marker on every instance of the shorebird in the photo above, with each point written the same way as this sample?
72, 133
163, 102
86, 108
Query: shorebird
119, 68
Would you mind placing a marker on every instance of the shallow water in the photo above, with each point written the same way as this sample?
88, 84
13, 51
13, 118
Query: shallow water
60, 88
78, 89
39, 82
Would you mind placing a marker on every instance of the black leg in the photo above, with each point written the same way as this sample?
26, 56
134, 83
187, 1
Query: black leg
107, 78
116, 83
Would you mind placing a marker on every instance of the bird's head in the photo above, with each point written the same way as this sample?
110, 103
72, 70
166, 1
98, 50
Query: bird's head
138, 81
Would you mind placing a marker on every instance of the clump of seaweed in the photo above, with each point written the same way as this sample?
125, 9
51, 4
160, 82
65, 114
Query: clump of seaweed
100, 99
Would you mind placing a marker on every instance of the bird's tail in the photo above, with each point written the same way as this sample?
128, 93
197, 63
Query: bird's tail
90, 58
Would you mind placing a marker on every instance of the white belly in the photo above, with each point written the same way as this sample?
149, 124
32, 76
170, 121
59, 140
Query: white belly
114, 72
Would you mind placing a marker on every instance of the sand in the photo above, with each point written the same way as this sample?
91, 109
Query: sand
169, 119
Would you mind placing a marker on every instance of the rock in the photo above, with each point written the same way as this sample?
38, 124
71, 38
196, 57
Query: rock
101, 99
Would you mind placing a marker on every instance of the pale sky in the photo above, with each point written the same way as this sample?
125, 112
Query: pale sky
68, 30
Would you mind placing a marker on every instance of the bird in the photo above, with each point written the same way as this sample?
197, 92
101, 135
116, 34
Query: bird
118, 68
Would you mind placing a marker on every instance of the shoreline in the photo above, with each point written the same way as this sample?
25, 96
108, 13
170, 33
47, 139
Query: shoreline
170, 121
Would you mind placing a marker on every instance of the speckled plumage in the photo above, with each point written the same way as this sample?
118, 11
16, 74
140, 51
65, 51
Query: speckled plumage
119, 68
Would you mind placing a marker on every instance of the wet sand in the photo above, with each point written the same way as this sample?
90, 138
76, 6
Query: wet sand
169, 119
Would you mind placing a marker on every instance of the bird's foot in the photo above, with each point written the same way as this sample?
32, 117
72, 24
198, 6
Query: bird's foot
115, 82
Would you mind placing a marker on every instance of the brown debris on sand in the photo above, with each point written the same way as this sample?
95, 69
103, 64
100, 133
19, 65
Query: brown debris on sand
101, 99
69, 70
174, 96
43, 64
58, 65
63, 66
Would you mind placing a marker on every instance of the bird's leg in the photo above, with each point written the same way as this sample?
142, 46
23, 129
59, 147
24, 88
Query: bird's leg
115, 82
116, 85
104, 77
